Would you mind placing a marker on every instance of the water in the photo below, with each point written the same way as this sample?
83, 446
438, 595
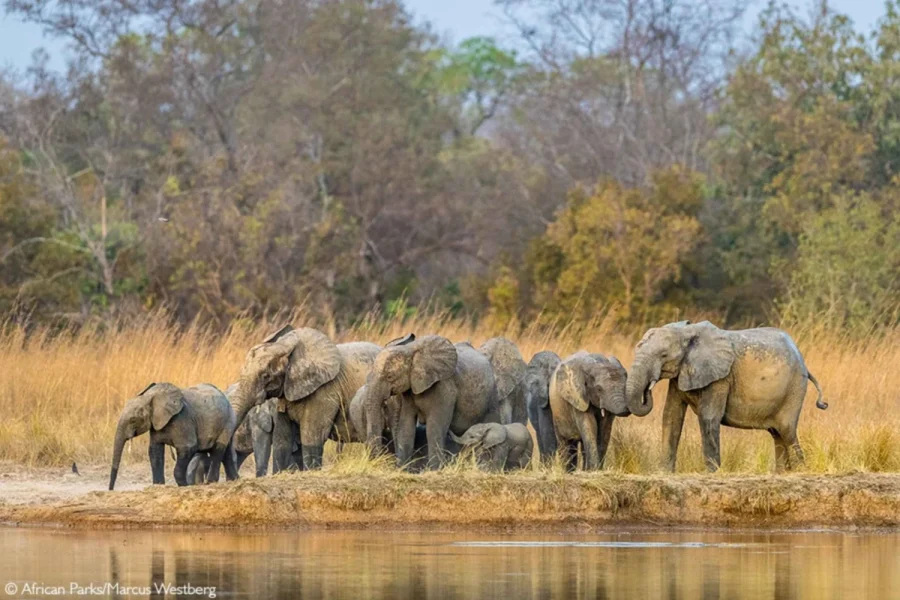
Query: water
373, 564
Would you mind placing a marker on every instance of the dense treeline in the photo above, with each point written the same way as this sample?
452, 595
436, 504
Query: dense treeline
634, 157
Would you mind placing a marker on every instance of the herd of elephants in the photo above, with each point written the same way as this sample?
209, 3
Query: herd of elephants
426, 398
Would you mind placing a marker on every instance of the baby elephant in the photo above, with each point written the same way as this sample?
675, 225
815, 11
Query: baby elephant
194, 419
500, 447
253, 436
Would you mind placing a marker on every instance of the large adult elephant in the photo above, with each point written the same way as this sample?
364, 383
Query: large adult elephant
448, 387
587, 393
537, 399
750, 379
314, 380
509, 378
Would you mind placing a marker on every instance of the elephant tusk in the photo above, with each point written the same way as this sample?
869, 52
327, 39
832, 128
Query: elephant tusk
652, 383
603, 412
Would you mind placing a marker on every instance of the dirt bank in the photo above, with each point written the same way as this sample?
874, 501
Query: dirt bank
458, 499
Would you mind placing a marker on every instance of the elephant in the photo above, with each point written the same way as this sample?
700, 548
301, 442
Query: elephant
253, 436
445, 386
357, 430
537, 398
587, 393
500, 447
313, 379
194, 419
509, 375
749, 379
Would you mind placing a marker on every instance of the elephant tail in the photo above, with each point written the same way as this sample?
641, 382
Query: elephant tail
820, 404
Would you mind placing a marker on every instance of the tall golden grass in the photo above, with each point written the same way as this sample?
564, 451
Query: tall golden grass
60, 393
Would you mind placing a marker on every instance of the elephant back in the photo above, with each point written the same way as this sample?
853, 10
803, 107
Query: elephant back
211, 411
507, 363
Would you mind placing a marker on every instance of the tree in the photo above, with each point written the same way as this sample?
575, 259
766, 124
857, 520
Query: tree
619, 247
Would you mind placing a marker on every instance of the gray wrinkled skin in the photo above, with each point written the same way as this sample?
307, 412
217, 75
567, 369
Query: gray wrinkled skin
498, 447
536, 388
587, 392
446, 387
509, 379
750, 379
314, 381
191, 420
253, 436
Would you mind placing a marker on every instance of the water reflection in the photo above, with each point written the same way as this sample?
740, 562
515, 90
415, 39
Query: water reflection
334, 564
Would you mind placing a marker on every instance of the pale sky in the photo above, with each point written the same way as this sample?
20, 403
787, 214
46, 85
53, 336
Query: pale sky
453, 20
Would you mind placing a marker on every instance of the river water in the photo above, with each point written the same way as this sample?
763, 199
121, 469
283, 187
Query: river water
426, 565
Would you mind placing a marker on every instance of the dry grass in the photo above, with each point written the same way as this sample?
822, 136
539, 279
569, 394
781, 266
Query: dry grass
60, 395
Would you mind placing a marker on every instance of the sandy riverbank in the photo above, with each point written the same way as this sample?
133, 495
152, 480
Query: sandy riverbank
453, 500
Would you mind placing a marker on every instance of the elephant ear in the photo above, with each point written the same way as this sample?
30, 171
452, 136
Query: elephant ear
278, 334
540, 370
402, 341
493, 436
146, 389
569, 383
265, 417
314, 361
708, 358
166, 401
435, 359
509, 367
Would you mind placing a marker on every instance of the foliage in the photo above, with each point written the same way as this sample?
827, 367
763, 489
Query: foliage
230, 160
620, 246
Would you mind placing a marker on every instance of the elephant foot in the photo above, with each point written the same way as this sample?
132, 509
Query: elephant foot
312, 457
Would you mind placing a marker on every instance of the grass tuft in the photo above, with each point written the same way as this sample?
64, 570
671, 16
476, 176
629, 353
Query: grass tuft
61, 392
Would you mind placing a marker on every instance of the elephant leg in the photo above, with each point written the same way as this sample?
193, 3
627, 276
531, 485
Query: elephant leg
183, 458
781, 451
499, 458
262, 450
793, 451
709, 431
587, 428
569, 451
672, 425
604, 427
710, 414
546, 434
240, 457
282, 443
217, 456
506, 410
157, 454
319, 412
436, 427
404, 432
230, 462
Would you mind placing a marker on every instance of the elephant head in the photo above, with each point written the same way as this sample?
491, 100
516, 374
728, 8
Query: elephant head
694, 354
584, 380
484, 435
153, 408
405, 365
290, 364
509, 371
537, 378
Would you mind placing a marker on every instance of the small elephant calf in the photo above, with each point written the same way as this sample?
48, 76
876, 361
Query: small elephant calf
499, 447
253, 436
194, 419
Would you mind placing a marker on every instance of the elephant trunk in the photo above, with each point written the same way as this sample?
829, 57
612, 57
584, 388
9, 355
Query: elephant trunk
119, 445
638, 394
376, 394
456, 439
244, 398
